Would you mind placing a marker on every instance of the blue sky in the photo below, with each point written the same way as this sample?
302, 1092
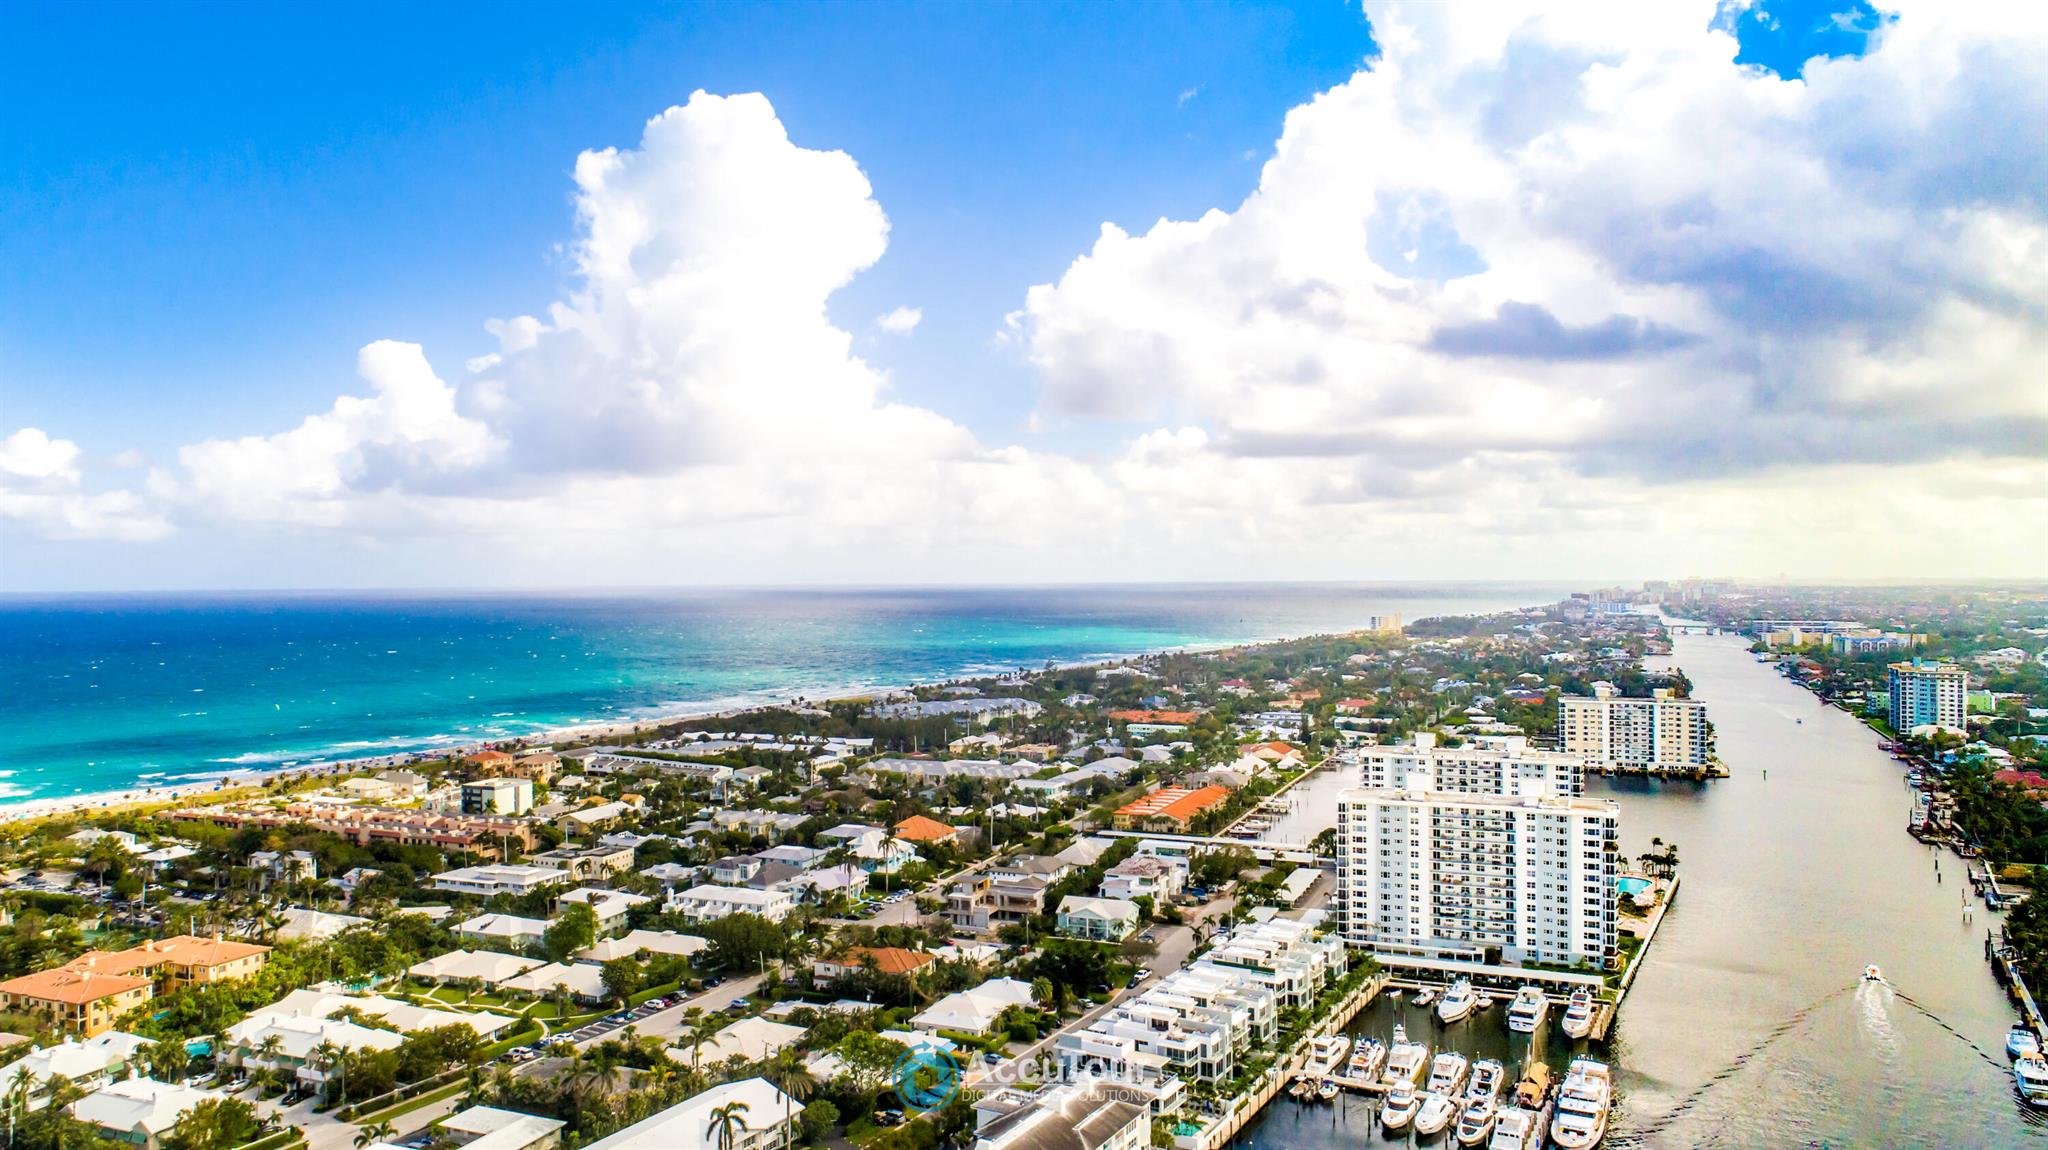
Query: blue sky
212, 225
1203, 287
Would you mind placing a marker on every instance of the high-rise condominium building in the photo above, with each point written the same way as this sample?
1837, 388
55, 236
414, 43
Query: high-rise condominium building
1489, 766
1661, 733
1924, 692
1500, 879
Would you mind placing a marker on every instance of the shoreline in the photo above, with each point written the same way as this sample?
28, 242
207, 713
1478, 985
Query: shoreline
100, 802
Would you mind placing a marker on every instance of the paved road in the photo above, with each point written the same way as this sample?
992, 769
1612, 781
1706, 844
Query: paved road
668, 1024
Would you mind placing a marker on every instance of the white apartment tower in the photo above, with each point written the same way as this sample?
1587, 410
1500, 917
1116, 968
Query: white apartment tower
1660, 733
1495, 766
1500, 879
1924, 692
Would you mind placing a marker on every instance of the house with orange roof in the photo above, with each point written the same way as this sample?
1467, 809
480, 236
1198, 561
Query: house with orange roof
880, 959
76, 998
1278, 753
1168, 809
919, 829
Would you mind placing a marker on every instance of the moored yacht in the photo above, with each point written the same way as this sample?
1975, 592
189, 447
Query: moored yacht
1457, 1002
1425, 996
1435, 1113
1582, 1103
1406, 1061
1516, 1129
1326, 1054
1368, 1058
1400, 1107
1447, 1073
1482, 1102
2021, 1041
2030, 1078
1527, 1012
1578, 1014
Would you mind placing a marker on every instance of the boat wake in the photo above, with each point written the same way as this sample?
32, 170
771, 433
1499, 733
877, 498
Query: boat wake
1874, 1017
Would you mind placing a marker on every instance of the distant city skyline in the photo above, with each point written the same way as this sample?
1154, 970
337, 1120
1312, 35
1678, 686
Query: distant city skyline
911, 294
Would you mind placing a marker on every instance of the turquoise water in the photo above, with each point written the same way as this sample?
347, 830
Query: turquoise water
1632, 886
105, 693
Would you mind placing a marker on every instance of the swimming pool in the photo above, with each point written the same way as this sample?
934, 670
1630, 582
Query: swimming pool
1631, 885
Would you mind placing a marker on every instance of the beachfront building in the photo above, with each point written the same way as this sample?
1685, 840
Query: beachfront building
476, 834
1659, 734
1515, 879
765, 1118
501, 878
1926, 693
1169, 809
499, 796
1504, 766
708, 901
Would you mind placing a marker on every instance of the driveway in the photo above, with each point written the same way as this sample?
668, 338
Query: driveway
670, 1022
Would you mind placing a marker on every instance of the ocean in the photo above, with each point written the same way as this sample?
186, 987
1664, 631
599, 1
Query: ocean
103, 693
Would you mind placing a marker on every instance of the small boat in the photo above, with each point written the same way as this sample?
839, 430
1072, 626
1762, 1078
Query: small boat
1516, 1129
1406, 1061
1534, 1086
2021, 1041
1327, 1091
1457, 1002
1302, 1090
1447, 1074
1872, 974
1578, 1014
1582, 1102
1435, 1113
1368, 1058
1425, 996
1395, 994
1527, 1012
2030, 1078
1482, 1102
1400, 1106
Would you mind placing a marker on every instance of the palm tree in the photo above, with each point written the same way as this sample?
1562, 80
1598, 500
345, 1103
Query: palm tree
269, 1049
17, 1099
332, 1058
724, 1119
702, 1032
375, 1132
787, 1073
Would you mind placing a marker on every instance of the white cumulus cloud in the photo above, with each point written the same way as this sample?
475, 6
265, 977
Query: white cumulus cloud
900, 321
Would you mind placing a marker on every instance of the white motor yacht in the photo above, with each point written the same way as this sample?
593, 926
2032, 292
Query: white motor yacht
1481, 1103
1872, 974
1326, 1054
1516, 1129
1582, 1103
1578, 1014
1447, 1074
1527, 1012
1406, 1061
1327, 1091
1435, 1113
1400, 1107
2021, 1041
1425, 996
1457, 1002
2030, 1078
1368, 1058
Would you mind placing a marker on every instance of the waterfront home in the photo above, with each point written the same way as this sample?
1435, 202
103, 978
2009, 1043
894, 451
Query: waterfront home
88, 1065
610, 906
139, 1111
500, 878
700, 903
1169, 809
1083, 1115
1098, 919
892, 960
974, 1011
767, 1117
1089, 1053
635, 943
508, 930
